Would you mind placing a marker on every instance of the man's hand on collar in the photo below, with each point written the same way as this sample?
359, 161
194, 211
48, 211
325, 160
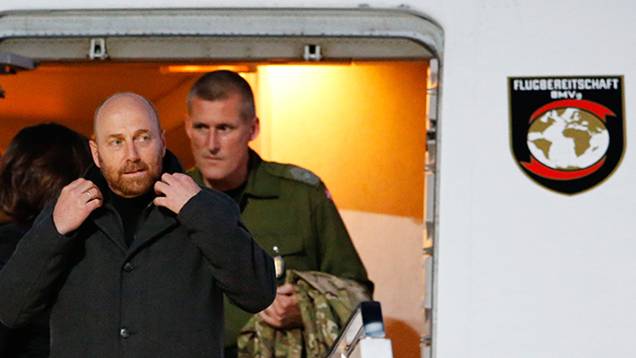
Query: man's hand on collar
75, 203
177, 189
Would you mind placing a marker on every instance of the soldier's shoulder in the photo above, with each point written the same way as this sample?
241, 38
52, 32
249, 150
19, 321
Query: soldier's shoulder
192, 171
292, 172
195, 174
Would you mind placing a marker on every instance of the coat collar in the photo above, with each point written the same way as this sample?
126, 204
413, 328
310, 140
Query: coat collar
157, 219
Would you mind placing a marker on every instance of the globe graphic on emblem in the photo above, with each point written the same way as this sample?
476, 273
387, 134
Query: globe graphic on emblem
568, 139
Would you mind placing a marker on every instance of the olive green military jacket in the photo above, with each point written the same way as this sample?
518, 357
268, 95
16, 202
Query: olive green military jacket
289, 207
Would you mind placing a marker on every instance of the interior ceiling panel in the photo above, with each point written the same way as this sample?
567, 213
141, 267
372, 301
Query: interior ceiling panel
216, 48
367, 28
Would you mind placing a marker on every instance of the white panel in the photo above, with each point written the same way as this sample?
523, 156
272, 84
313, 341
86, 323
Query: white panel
391, 249
373, 348
525, 272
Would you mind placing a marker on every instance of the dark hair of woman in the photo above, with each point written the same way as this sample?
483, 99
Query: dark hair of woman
38, 163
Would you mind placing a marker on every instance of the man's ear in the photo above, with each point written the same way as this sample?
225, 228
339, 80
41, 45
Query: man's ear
255, 128
94, 152
187, 123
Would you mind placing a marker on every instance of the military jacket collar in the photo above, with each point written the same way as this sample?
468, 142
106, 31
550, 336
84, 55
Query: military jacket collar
260, 183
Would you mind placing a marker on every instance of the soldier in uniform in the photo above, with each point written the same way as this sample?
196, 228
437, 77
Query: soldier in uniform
287, 208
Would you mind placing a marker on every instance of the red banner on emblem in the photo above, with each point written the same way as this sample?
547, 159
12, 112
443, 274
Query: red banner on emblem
539, 169
599, 110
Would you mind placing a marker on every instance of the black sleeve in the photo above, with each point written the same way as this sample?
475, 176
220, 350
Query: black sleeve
242, 269
7, 246
28, 280
4, 340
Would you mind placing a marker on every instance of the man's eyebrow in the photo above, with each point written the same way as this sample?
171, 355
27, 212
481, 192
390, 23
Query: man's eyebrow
115, 135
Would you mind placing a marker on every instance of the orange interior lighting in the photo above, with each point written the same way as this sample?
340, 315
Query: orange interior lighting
203, 68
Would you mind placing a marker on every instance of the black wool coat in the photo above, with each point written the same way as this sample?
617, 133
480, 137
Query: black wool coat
32, 340
160, 297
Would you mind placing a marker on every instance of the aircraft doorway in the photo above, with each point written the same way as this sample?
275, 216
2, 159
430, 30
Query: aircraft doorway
362, 124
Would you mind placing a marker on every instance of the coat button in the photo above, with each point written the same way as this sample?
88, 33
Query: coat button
124, 333
128, 267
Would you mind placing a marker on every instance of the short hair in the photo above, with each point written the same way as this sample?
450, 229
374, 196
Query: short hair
38, 163
219, 85
144, 100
